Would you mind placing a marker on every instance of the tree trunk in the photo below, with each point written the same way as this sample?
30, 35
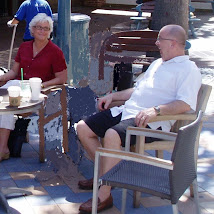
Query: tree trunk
170, 12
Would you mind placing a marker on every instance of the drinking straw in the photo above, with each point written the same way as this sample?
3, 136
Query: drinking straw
22, 75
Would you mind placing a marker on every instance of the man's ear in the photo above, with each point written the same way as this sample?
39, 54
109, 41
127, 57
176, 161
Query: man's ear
173, 43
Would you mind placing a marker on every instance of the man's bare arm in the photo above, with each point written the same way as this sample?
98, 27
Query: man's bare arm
104, 102
175, 107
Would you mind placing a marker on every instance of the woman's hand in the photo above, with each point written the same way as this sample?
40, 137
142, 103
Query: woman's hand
104, 102
144, 116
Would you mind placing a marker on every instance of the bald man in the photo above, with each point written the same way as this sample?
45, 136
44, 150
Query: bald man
169, 86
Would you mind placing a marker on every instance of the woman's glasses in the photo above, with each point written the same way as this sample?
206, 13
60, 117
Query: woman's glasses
37, 27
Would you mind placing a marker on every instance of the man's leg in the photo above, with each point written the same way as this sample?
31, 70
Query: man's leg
105, 199
88, 139
111, 141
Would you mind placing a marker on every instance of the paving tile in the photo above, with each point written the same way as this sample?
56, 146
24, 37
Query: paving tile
117, 196
73, 179
205, 169
84, 196
35, 165
36, 190
186, 205
26, 147
20, 205
86, 168
70, 208
2, 168
4, 176
62, 194
48, 178
7, 183
206, 183
40, 200
204, 211
47, 209
15, 165
209, 206
29, 154
27, 183
163, 209
153, 201
22, 175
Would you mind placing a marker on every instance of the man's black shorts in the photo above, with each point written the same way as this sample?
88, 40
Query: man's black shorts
100, 122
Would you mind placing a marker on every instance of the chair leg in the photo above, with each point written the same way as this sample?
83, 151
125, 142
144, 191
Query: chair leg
136, 199
191, 191
95, 184
192, 29
138, 25
41, 123
159, 153
195, 190
175, 209
124, 194
64, 118
140, 143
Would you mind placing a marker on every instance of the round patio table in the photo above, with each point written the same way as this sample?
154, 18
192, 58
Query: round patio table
26, 106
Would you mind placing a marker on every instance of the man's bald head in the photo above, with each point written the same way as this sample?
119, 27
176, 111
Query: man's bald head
175, 32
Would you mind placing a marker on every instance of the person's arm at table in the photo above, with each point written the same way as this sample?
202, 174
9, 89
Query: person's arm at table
60, 78
11, 74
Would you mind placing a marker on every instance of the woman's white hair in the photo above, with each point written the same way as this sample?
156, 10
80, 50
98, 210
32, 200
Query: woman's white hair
40, 18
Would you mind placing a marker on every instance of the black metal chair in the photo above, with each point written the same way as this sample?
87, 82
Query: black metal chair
162, 178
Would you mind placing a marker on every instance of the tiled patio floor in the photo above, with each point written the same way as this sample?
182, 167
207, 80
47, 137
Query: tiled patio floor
54, 191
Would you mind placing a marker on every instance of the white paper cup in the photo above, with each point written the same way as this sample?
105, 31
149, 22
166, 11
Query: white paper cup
14, 95
35, 85
14, 91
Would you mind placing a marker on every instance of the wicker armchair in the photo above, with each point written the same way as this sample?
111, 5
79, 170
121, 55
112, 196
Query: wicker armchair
162, 178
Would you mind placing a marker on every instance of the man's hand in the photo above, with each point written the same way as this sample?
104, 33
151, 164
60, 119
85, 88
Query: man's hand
144, 116
104, 102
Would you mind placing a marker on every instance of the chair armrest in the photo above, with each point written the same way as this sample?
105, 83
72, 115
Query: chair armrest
49, 89
167, 164
171, 136
192, 117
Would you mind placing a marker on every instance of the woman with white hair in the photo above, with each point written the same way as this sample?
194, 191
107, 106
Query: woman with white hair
38, 58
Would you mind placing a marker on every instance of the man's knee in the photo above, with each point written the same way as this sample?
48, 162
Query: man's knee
83, 130
112, 139
81, 127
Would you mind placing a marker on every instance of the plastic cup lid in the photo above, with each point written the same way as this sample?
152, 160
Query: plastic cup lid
35, 79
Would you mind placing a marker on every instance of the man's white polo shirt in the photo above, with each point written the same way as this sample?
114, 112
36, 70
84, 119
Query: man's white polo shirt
163, 82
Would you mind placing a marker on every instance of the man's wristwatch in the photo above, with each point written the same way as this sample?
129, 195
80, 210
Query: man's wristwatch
157, 110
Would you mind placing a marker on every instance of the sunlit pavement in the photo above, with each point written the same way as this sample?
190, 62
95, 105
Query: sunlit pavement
57, 192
